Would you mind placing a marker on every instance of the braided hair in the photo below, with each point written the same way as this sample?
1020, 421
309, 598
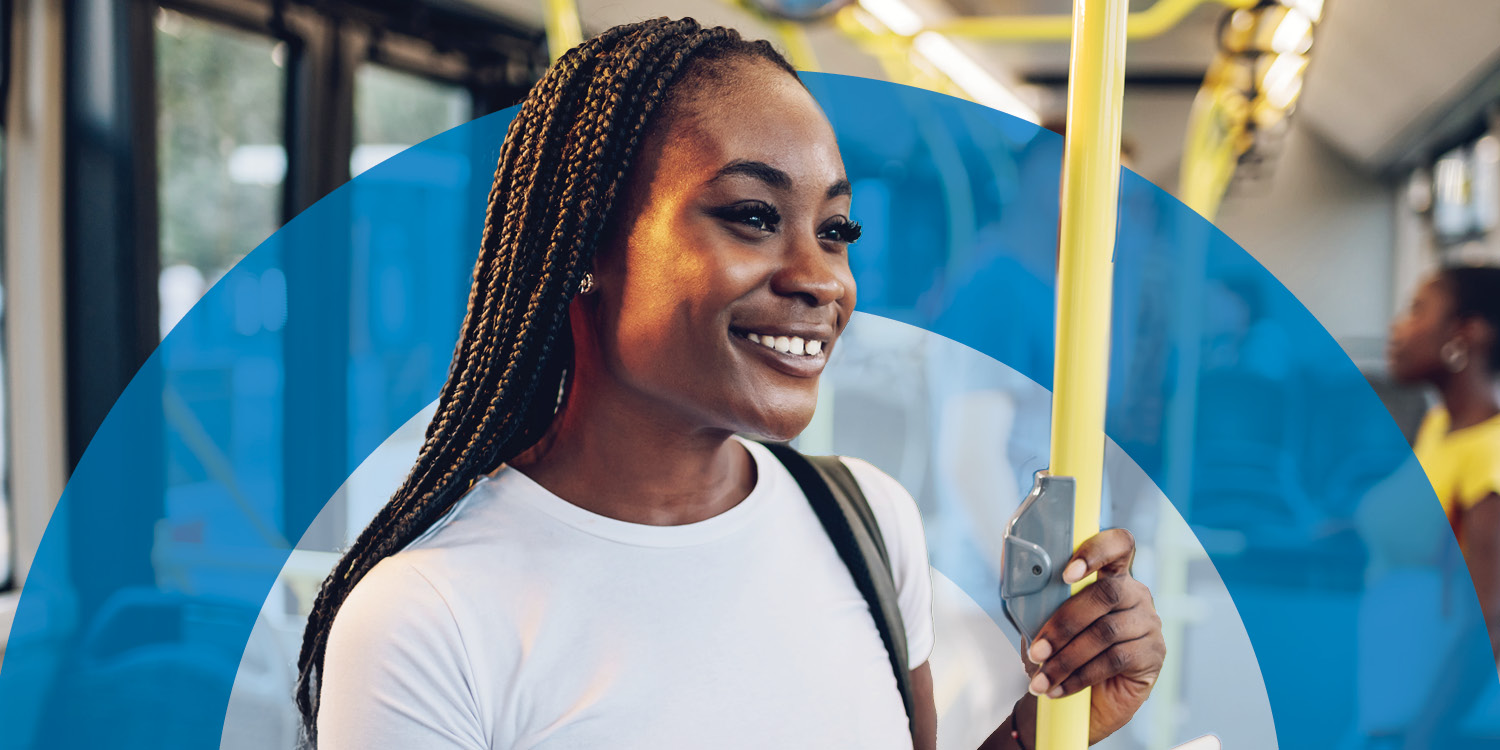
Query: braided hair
1476, 294
563, 161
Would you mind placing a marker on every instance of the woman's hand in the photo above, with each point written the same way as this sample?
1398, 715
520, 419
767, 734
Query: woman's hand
1107, 636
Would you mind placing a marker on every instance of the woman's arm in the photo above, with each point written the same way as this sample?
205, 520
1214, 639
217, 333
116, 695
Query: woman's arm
1020, 724
1481, 550
1023, 717
924, 724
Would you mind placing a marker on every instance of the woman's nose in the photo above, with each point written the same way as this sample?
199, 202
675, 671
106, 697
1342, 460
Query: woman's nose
812, 271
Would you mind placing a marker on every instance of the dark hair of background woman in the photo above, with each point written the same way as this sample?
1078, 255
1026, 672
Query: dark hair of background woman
1476, 293
564, 159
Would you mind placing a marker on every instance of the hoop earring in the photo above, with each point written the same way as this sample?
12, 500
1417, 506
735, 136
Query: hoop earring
1455, 356
587, 285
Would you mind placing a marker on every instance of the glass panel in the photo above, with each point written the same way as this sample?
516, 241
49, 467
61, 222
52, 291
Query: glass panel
394, 110
220, 155
1452, 183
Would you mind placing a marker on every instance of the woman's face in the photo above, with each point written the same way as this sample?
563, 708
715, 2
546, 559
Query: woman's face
1418, 335
726, 282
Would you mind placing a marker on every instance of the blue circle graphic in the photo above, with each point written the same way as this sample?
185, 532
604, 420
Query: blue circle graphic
306, 355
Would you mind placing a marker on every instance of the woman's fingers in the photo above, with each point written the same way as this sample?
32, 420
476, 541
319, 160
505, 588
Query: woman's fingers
1081, 610
1109, 553
1107, 629
1116, 643
1138, 660
1135, 659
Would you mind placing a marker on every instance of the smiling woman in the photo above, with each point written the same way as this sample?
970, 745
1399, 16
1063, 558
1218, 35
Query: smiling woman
586, 554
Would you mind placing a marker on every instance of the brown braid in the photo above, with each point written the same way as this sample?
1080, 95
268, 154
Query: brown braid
564, 158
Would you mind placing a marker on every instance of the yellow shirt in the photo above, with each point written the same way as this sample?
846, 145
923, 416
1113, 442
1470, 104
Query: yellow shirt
1463, 465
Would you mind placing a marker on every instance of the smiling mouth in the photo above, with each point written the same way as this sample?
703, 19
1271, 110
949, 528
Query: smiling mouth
791, 345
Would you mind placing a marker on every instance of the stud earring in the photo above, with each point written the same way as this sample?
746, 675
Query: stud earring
587, 285
1455, 356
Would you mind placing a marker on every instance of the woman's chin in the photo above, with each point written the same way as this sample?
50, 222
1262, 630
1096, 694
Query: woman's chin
780, 425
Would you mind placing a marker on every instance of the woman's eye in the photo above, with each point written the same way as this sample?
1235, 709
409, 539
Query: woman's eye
840, 230
760, 221
755, 215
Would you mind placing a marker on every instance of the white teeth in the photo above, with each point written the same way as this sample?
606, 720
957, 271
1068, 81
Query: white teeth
787, 344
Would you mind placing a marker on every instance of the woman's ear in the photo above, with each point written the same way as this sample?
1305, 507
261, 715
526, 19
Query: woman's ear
1479, 335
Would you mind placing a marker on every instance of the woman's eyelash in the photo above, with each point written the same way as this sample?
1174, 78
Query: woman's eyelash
753, 214
842, 230
764, 217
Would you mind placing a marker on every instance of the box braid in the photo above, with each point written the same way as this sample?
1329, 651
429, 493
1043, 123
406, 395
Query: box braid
563, 160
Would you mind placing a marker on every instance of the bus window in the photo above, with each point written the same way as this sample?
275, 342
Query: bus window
394, 109
220, 157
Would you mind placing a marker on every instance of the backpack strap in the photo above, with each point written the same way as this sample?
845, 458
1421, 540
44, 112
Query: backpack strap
838, 501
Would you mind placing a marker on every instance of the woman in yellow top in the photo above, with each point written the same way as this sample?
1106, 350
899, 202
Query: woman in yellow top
1448, 338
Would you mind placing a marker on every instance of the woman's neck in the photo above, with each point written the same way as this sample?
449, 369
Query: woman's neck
1469, 397
626, 459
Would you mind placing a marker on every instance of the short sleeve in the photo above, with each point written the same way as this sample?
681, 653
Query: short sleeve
396, 674
1480, 478
901, 528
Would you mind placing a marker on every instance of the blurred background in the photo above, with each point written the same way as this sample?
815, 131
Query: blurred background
1348, 147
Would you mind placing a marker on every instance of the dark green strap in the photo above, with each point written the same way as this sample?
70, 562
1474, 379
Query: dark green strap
838, 501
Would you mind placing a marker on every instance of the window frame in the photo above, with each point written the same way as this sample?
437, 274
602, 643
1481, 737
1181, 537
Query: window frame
10, 578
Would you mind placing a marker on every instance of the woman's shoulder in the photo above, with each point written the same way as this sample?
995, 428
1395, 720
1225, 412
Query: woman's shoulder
397, 665
393, 603
894, 507
488, 514
482, 539
877, 485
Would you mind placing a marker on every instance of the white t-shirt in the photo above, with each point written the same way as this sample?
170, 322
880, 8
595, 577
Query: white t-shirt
523, 621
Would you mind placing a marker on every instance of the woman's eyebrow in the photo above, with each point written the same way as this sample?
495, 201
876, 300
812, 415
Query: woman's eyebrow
759, 170
773, 177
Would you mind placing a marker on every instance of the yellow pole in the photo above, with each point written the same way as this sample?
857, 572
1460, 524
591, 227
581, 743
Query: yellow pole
564, 31
1216, 137
1090, 197
799, 49
1160, 18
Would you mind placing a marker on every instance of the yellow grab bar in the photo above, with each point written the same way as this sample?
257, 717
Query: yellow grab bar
564, 31
1216, 137
799, 49
1154, 21
1086, 241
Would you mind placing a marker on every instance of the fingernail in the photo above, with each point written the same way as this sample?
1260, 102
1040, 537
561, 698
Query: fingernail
1038, 685
1040, 650
1074, 572
1055, 693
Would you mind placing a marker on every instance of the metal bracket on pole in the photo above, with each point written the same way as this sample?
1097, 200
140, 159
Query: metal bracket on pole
1038, 542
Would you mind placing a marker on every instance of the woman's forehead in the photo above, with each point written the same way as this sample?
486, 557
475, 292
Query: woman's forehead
756, 113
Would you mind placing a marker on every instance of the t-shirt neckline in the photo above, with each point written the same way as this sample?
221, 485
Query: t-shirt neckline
510, 482
1478, 428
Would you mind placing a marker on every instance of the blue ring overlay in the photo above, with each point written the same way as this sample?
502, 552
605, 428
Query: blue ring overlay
332, 333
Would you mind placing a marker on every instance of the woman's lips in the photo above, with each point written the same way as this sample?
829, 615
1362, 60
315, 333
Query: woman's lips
781, 353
